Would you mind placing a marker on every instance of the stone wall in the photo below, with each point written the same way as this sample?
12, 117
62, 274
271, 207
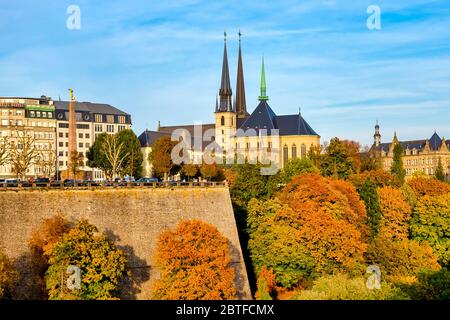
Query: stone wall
132, 217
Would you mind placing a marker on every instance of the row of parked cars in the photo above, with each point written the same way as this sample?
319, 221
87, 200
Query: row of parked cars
41, 182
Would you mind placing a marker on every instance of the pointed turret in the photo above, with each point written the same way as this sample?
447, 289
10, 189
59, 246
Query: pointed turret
225, 87
377, 135
263, 96
240, 105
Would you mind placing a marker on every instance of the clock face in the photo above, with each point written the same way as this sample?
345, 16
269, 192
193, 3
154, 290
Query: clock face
60, 116
86, 117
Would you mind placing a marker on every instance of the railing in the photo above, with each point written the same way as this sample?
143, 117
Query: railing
106, 185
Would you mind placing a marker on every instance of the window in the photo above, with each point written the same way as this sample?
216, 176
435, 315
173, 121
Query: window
4, 122
87, 144
120, 128
67, 134
80, 135
80, 145
63, 125
38, 114
61, 144
67, 144
285, 154
82, 126
121, 119
61, 163
303, 151
222, 121
98, 118
86, 135
49, 115
110, 118
98, 128
294, 152
32, 114
61, 135
61, 154
110, 128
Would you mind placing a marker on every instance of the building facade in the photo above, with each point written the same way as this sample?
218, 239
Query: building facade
34, 118
238, 136
419, 156
47, 121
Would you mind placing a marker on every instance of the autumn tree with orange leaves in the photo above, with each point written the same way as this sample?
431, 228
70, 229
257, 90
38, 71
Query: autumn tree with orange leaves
395, 213
428, 187
194, 261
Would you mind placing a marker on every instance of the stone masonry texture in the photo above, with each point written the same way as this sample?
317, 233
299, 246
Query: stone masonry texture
132, 217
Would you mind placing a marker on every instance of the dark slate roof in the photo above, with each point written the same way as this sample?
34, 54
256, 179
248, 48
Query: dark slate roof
90, 107
264, 118
435, 144
191, 130
147, 138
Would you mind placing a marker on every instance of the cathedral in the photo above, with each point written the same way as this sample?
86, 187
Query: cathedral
239, 134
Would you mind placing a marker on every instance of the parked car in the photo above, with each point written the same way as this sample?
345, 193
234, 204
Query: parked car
42, 180
71, 182
147, 180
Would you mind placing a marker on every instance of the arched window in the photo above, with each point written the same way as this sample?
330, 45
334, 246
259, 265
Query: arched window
303, 150
222, 121
294, 151
285, 154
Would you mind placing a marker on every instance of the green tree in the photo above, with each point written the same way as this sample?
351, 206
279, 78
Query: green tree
368, 193
249, 184
211, 171
96, 157
397, 163
431, 223
161, 159
102, 266
337, 161
132, 164
439, 174
431, 286
342, 287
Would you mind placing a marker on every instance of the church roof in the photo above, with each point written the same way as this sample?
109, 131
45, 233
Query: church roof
264, 118
147, 138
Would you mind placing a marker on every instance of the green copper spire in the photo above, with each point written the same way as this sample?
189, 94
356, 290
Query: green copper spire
263, 96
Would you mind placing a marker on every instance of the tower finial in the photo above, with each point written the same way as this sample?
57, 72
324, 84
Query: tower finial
263, 96
239, 34
225, 35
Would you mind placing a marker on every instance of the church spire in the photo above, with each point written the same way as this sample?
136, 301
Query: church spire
240, 105
263, 96
225, 87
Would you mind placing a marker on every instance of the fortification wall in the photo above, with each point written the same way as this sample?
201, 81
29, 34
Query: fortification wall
132, 217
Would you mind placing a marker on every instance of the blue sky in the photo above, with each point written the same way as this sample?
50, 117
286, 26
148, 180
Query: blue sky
161, 60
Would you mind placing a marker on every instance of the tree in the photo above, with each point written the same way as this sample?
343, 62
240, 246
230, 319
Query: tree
338, 161
194, 261
266, 284
395, 213
397, 163
47, 162
102, 266
426, 186
44, 239
209, 171
76, 161
22, 152
380, 177
97, 158
440, 174
132, 165
8, 276
368, 193
401, 260
4, 150
115, 154
249, 184
190, 170
431, 223
161, 159
342, 287
431, 286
